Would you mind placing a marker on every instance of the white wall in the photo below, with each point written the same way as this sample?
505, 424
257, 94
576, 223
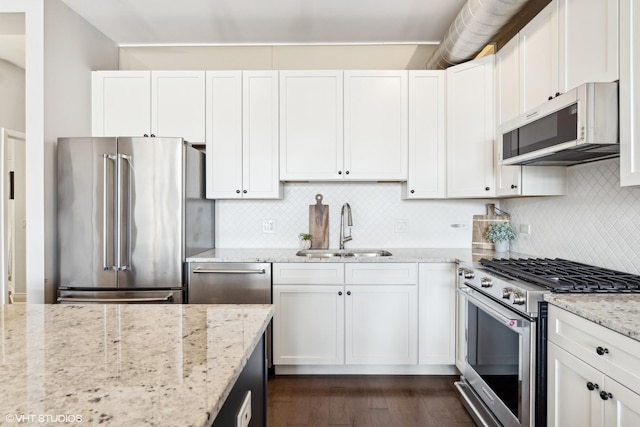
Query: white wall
598, 222
12, 96
306, 57
375, 206
73, 48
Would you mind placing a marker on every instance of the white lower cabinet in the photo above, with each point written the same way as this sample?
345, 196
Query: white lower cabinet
436, 313
592, 374
381, 324
308, 328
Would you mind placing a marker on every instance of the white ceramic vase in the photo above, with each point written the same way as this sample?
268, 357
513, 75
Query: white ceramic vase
305, 244
501, 245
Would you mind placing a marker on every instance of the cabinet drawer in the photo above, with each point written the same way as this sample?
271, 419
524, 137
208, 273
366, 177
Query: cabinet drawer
581, 337
381, 274
308, 273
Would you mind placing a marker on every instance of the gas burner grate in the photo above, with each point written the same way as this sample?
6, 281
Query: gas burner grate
561, 275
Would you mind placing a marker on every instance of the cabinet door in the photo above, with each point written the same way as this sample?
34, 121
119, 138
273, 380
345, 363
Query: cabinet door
178, 104
311, 129
381, 325
629, 93
375, 125
427, 144
308, 325
507, 107
436, 314
623, 408
588, 42
260, 171
470, 129
539, 58
224, 135
121, 103
569, 400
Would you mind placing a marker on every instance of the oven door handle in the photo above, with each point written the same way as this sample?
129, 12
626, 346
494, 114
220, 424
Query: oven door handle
510, 322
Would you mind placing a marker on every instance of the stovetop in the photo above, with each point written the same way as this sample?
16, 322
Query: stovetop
564, 276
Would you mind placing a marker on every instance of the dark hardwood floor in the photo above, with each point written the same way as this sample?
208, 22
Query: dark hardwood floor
363, 401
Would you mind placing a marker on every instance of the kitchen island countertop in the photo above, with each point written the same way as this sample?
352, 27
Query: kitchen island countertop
618, 312
123, 364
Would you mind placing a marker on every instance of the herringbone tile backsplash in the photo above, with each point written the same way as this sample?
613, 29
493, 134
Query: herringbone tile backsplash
375, 206
598, 222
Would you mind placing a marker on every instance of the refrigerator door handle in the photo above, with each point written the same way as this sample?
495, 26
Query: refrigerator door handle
124, 265
168, 298
105, 225
118, 226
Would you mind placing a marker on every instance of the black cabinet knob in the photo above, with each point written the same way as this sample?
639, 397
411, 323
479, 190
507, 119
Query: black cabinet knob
550, 97
602, 351
244, 191
513, 186
557, 93
340, 293
605, 396
237, 191
153, 135
591, 386
487, 188
347, 172
413, 191
146, 135
348, 292
339, 172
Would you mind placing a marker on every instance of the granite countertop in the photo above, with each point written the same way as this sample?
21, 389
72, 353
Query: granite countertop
152, 365
618, 312
398, 255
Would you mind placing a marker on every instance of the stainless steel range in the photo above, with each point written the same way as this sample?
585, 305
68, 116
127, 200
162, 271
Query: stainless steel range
503, 380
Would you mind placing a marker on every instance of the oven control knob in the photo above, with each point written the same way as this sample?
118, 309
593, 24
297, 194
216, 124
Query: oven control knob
468, 274
518, 298
486, 282
506, 293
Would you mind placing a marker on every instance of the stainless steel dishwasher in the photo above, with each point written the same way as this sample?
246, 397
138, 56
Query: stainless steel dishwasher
231, 283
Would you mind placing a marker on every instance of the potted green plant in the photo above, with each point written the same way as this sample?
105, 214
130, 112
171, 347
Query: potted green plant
305, 240
500, 234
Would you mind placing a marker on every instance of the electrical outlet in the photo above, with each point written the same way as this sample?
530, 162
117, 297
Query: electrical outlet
525, 229
244, 414
400, 226
269, 226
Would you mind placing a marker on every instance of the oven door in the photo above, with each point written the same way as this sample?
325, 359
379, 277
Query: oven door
499, 359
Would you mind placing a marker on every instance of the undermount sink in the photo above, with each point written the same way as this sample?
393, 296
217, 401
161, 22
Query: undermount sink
336, 253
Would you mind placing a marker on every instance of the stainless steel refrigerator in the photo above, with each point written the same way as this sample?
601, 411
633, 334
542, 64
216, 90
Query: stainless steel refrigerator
130, 210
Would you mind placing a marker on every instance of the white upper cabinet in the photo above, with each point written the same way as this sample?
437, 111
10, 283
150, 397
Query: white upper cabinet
519, 180
121, 103
375, 125
427, 136
539, 58
160, 103
311, 125
470, 129
242, 135
588, 42
178, 104
629, 93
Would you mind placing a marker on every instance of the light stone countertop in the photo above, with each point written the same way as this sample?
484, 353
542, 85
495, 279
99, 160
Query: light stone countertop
398, 255
618, 312
123, 365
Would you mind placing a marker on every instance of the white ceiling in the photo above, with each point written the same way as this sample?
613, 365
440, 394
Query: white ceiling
239, 22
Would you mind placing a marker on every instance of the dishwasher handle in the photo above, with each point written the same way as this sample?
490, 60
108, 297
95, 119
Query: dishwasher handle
228, 271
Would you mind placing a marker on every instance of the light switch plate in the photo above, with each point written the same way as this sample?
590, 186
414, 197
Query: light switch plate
244, 414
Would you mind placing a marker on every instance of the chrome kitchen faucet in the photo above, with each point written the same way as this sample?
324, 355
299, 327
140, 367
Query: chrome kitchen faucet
344, 238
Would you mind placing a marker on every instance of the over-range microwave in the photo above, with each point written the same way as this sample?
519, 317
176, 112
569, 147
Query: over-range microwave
578, 126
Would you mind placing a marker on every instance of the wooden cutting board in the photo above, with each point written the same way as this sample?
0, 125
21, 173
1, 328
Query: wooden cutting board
319, 224
481, 224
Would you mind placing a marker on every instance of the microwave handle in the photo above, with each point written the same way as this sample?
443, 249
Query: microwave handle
532, 114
